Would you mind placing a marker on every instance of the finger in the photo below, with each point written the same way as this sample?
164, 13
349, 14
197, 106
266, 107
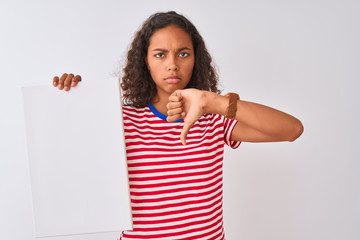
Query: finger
174, 111
67, 82
175, 96
55, 81
61, 81
172, 105
173, 118
75, 80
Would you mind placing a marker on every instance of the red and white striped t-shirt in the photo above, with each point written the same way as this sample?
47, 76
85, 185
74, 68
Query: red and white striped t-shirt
176, 190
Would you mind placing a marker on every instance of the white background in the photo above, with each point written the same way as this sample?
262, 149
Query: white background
300, 56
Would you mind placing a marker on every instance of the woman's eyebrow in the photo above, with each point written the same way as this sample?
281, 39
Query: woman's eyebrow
164, 50
184, 48
160, 50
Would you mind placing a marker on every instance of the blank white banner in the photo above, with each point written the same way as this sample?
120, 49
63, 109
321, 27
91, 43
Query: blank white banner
77, 159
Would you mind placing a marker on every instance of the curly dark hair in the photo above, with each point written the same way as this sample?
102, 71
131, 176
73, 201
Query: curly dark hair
137, 84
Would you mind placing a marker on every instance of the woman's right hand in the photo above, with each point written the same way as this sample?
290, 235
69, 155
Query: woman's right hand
66, 81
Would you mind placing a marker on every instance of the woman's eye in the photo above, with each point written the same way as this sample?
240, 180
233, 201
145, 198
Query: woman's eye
183, 54
159, 55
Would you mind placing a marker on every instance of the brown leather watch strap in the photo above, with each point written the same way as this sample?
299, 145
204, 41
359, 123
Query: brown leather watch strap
232, 107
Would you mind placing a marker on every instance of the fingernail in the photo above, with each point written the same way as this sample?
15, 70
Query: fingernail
60, 86
73, 84
66, 88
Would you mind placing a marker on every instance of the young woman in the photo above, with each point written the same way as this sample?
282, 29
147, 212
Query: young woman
176, 124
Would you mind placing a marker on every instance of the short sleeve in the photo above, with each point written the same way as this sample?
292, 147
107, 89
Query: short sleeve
229, 125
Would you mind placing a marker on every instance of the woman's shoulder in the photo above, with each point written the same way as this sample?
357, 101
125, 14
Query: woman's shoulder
133, 110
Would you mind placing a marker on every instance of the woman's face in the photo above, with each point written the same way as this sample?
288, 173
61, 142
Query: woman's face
170, 59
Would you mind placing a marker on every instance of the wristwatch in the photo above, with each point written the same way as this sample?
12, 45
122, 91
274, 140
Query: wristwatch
232, 107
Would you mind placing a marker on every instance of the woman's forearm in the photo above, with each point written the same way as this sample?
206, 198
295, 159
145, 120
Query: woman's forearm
278, 125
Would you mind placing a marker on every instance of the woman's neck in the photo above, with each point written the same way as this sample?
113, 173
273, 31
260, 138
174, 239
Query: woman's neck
160, 103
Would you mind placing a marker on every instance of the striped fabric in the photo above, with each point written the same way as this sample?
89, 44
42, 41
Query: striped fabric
176, 190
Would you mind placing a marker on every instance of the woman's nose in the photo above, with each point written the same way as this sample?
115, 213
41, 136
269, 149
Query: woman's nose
172, 65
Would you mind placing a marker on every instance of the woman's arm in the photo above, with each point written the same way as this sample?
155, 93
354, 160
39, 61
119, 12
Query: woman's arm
256, 122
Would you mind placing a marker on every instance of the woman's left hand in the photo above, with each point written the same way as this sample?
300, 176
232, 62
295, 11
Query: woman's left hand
189, 104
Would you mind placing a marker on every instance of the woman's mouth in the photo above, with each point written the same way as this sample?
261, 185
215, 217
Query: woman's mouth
172, 80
